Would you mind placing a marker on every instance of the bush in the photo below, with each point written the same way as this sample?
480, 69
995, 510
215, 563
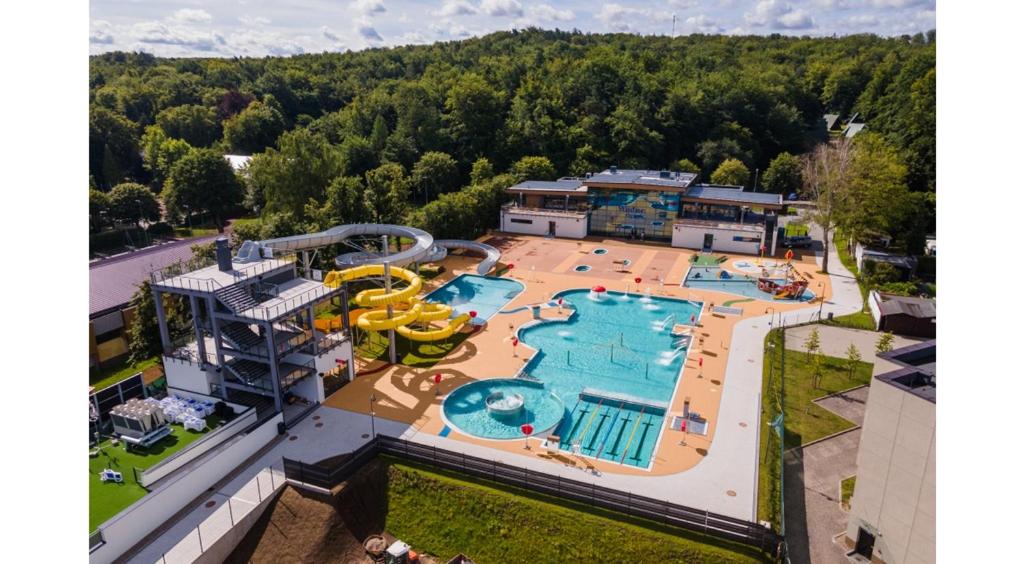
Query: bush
900, 288
160, 229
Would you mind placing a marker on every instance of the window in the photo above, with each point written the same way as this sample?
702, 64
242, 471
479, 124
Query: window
517, 220
746, 239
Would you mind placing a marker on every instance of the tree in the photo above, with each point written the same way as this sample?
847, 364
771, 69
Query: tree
852, 358
133, 203
254, 129
714, 152
301, 169
474, 112
144, 331
482, 171
732, 172
357, 156
877, 199
343, 204
160, 152
818, 369
99, 207
197, 125
884, 344
435, 173
380, 133
387, 190
685, 165
113, 147
203, 181
813, 342
783, 175
534, 168
826, 177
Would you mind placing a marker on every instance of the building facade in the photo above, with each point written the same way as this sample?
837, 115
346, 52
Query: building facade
892, 518
646, 205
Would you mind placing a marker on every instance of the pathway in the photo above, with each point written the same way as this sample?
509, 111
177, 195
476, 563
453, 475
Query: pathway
835, 340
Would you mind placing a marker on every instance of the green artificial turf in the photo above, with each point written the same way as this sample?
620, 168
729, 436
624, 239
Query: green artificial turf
410, 353
108, 376
846, 488
445, 514
107, 499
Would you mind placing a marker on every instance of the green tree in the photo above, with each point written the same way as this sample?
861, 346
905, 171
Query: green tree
143, 334
685, 165
813, 342
357, 156
783, 175
474, 112
160, 153
343, 204
852, 358
197, 125
732, 172
133, 203
203, 181
818, 369
826, 176
482, 171
287, 178
712, 153
379, 135
99, 208
435, 173
113, 147
885, 341
877, 199
534, 168
254, 129
387, 191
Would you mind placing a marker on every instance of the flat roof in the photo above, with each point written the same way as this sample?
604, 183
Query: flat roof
560, 185
211, 278
733, 194
292, 296
114, 280
652, 178
892, 304
916, 374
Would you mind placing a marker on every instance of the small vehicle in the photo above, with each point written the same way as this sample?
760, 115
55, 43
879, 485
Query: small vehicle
797, 242
791, 197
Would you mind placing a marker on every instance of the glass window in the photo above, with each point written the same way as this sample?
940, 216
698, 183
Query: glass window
626, 213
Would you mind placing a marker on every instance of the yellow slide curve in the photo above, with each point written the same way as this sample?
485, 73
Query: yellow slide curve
417, 311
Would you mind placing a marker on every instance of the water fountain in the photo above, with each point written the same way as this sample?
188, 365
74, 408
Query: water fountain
668, 356
500, 404
647, 296
661, 325
565, 334
598, 293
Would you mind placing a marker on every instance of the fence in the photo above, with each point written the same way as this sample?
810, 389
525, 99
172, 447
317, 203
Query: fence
661, 511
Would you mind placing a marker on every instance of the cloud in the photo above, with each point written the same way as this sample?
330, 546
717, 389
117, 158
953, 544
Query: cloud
192, 15
161, 34
259, 43
900, 3
254, 20
626, 19
683, 4
367, 7
702, 24
368, 32
547, 13
330, 34
501, 8
778, 15
456, 8
100, 33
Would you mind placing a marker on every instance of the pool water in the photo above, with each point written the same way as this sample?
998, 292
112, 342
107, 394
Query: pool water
706, 278
484, 294
465, 408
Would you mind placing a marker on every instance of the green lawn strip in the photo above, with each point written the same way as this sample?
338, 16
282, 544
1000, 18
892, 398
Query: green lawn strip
107, 499
797, 230
190, 232
859, 320
445, 513
109, 376
805, 420
846, 489
410, 353
769, 492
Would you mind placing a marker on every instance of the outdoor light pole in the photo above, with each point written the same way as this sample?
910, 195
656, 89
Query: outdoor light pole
373, 430
821, 298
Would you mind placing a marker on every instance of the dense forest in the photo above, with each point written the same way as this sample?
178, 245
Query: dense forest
390, 134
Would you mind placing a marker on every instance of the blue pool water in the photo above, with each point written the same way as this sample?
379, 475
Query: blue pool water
706, 278
465, 408
483, 294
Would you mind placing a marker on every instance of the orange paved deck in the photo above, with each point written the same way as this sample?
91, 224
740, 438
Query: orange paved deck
545, 267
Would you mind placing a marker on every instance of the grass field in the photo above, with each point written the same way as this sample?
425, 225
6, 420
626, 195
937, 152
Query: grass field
804, 420
445, 514
107, 499
109, 376
410, 353
846, 489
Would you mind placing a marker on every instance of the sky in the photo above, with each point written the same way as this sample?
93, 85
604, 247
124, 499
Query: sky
226, 28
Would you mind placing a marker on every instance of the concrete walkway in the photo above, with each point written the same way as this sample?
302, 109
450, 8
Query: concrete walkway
835, 340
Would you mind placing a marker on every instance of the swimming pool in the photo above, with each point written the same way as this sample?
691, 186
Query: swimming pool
484, 294
616, 363
707, 278
466, 409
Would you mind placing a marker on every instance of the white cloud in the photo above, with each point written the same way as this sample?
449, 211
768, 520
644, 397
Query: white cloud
456, 8
192, 15
258, 43
330, 34
161, 34
254, 20
366, 7
702, 24
545, 12
797, 19
777, 14
100, 33
626, 19
368, 32
899, 3
683, 4
501, 8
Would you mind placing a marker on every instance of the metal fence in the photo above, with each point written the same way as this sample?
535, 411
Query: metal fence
662, 511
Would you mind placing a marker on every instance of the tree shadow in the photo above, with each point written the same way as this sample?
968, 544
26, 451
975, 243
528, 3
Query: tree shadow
797, 538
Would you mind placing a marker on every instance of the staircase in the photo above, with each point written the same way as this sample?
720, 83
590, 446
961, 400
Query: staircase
250, 372
237, 298
241, 337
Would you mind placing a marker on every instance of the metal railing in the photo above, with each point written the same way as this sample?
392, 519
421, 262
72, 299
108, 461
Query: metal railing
551, 211
662, 511
95, 540
266, 313
331, 340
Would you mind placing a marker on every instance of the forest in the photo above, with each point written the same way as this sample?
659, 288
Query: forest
432, 135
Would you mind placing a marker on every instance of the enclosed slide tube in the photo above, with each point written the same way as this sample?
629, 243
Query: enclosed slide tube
417, 311
422, 246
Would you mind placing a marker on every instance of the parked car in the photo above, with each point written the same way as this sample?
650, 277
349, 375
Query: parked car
797, 242
791, 197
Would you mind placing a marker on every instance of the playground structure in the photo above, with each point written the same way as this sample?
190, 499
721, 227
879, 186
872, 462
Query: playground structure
791, 290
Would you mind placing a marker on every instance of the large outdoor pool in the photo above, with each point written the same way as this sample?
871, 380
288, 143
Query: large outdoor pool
484, 294
466, 408
706, 278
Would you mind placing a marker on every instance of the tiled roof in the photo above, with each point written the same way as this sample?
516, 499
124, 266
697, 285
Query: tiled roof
113, 281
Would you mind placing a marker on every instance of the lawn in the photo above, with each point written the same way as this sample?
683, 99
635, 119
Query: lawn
410, 353
846, 489
108, 376
797, 230
804, 420
107, 499
189, 232
444, 514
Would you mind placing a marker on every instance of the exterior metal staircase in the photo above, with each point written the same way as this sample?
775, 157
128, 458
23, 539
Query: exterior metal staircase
237, 298
241, 337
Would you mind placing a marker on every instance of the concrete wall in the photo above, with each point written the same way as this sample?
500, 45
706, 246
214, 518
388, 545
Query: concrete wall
187, 376
215, 438
565, 226
225, 544
690, 236
129, 527
895, 493
876, 313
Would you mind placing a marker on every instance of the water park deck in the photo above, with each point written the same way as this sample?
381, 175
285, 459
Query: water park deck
546, 266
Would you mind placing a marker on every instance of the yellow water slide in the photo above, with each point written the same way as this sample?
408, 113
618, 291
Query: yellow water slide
417, 311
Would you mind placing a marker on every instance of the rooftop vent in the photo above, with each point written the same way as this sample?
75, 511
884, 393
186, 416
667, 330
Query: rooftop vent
613, 169
223, 252
665, 174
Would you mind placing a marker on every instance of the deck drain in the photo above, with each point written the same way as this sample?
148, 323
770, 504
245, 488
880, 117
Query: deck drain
702, 451
293, 437
599, 251
211, 503
582, 268
716, 382
318, 425
366, 435
316, 418
742, 424
730, 493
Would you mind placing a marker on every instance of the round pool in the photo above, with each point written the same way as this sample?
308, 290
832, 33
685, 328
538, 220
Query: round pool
582, 268
466, 409
600, 251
